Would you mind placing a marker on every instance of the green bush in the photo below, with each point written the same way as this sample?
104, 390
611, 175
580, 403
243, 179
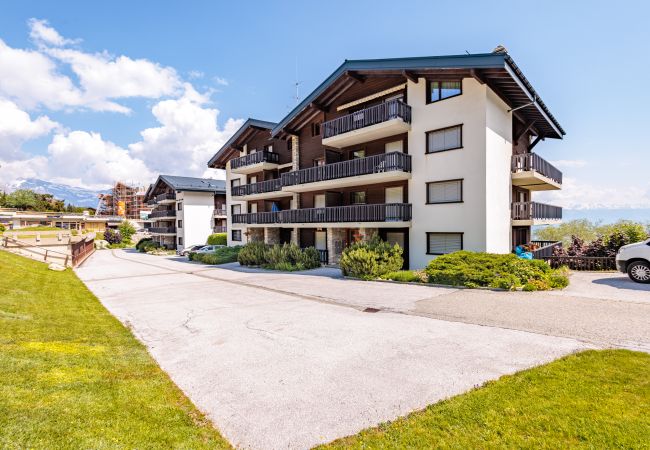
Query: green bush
287, 257
372, 259
221, 255
471, 269
218, 239
127, 230
141, 243
149, 246
2, 228
410, 276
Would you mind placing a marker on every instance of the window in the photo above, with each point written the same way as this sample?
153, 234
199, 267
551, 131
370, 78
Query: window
235, 182
449, 138
319, 162
445, 191
235, 209
441, 243
358, 154
179, 206
315, 129
358, 198
289, 143
236, 235
180, 241
180, 224
440, 90
269, 148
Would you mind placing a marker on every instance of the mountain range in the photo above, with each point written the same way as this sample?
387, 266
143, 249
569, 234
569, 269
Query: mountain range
71, 195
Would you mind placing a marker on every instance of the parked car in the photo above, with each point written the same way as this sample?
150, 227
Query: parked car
208, 248
192, 248
634, 259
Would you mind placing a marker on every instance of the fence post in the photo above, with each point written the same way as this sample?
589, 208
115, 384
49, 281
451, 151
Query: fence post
45, 256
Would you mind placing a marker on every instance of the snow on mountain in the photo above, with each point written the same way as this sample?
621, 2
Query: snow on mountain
70, 194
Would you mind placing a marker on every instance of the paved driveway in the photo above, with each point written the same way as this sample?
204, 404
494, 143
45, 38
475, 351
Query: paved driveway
291, 360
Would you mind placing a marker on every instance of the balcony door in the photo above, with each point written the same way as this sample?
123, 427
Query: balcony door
395, 146
394, 195
319, 201
321, 240
252, 207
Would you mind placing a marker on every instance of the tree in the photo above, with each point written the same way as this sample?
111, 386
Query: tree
126, 231
22, 199
588, 231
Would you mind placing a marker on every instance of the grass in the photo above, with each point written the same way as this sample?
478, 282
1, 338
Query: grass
594, 399
410, 276
71, 376
38, 228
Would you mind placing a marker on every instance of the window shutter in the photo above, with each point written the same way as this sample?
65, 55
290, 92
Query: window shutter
441, 243
444, 139
445, 191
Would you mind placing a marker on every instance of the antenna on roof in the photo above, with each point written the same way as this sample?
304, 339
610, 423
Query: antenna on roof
297, 83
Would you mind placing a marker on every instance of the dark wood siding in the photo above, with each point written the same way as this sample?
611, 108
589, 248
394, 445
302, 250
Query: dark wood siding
375, 193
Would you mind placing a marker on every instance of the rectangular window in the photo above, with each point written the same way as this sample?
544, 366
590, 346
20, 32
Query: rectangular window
180, 224
445, 191
179, 206
440, 90
235, 209
236, 235
442, 243
358, 154
319, 162
449, 138
315, 129
269, 148
234, 183
180, 241
358, 198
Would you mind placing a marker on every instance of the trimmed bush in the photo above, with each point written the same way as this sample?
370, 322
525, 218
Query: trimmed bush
471, 269
372, 259
221, 255
286, 257
218, 239
141, 243
410, 276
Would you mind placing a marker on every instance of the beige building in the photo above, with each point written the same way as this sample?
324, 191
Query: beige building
13, 219
434, 154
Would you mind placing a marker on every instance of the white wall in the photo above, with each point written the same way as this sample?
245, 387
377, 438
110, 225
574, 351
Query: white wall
467, 163
197, 215
229, 202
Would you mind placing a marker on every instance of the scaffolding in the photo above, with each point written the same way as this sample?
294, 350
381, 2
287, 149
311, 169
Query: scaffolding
123, 200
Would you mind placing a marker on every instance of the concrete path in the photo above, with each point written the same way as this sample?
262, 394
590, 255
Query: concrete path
291, 360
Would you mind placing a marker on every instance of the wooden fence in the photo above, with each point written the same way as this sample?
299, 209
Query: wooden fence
81, 250
582, 262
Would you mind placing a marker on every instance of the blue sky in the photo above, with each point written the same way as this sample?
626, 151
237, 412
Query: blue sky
588, 60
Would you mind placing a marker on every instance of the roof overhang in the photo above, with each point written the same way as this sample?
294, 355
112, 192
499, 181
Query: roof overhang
497, 70
234, 144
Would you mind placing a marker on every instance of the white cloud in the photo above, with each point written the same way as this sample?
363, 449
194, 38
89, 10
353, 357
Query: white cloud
87, 160
220, 81
16, 127
10, 171
194, 74
42, 33
570, 163
188, 137
578, 195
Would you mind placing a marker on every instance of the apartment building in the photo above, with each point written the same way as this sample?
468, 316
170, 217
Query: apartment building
432, 153
14, 219
186, 210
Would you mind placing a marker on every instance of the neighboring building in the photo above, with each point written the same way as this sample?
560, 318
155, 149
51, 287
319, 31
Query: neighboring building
16, 220
432, 153
186, 210
124, 201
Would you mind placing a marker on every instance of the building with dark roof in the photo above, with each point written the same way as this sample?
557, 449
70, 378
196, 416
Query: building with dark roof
435, 154
186, 210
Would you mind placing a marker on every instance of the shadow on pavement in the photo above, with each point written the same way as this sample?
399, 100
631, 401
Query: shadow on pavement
623, 282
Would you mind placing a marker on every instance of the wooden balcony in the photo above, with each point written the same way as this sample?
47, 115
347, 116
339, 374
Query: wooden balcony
376, 122
260, 190
255, 162
163, 230
219, 229
531, 171
388, 214
381, 168
168, 213
533, 213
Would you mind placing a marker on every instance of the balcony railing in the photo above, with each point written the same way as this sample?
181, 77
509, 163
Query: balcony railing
386, 162
219, 211
381, 212
534, 210
533, 162
164, 213
255, 158
166, 196
162, 230
257, 188
219, 229
383, 112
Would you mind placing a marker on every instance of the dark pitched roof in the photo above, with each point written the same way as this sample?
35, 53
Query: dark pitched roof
190, 184
488, 61
246, 125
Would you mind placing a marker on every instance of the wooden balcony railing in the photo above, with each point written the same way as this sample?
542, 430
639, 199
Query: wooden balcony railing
385, 162
533, 162
381, 212
219, 229
219, 211
257, 188
255, 158
383, 112
162, 230
545, 248
164, 213
534, 210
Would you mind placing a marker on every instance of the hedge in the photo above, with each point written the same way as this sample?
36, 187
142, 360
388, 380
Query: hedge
218, 239
371, 259
287, 257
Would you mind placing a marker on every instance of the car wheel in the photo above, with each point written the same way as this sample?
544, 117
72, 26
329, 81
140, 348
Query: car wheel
639, 271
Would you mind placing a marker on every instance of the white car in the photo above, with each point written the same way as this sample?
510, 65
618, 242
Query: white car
192, 248
208, 248
634, 259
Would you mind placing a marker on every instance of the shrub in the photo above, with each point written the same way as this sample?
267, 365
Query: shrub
2, 228
372, 259
218, 239
141, 243
470, 269
411, 276
252, 254
112, 236
221, 255
127, 230
288, 257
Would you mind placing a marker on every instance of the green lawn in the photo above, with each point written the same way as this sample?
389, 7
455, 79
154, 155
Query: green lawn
71, 376
37, 228
589, 400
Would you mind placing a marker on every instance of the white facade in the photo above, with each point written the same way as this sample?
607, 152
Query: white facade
194, 219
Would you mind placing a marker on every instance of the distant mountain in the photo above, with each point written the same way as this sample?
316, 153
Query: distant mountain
70, 194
